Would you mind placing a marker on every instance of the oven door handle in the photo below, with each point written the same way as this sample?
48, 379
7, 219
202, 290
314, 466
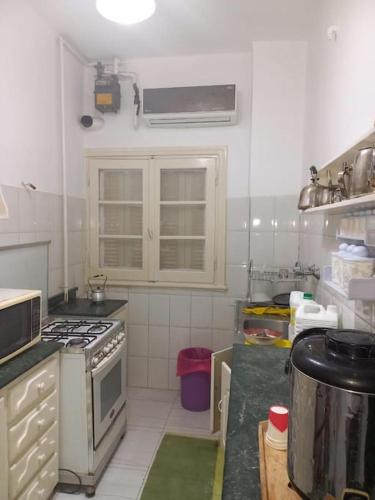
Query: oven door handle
116, 353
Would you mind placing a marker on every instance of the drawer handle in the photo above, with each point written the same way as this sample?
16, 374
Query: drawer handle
41, 386
220, 406
41, 422
41, 457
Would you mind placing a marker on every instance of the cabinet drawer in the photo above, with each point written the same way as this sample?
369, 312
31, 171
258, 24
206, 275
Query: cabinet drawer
26, 432
41, 488
30, 390
30, 464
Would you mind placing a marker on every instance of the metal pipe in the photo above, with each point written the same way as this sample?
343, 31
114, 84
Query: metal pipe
63, 44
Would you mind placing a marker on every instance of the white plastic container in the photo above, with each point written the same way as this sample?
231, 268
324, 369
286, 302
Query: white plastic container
356, 267
313, 315
307, 298
295, 301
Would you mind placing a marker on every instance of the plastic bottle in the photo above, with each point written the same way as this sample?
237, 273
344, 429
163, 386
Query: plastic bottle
295, 300
313, 315
307, 298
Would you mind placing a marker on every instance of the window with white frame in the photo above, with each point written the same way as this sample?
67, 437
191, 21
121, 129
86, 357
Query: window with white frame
157, 218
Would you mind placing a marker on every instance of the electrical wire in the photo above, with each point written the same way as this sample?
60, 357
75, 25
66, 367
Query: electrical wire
78, 488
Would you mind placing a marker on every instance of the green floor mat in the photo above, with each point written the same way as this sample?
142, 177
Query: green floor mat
183, 469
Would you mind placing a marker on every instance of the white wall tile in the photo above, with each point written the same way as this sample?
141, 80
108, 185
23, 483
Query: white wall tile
236, 277
262, 213
138, 340
137, 372
223, 313
201, 337
201, 312
159, 310
180, 310
179, 338
286, 249
174, 381
262, 248
237, 247
138, 309
158, 341
158, 373
221, 339
27, 211
286, 213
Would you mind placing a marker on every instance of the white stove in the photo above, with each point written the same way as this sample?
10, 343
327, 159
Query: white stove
96, 337
93, 394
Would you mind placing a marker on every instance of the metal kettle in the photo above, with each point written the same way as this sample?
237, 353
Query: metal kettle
309, 197
96, 288
362, 175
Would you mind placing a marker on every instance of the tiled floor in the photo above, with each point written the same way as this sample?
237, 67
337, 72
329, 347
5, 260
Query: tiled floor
151, 413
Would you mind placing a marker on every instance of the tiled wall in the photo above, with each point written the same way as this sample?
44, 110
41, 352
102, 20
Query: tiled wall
37, 216
317, 241
162, 322
274, 238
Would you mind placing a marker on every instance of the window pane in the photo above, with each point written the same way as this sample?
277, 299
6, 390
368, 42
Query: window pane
121, 220
183, 184
120, 253
120, 185
177, 220
182, 254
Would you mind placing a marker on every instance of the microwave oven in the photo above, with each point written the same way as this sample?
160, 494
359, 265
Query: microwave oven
20, 321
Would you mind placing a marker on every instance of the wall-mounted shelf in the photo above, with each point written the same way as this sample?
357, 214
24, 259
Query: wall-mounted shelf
335, 165
365, 202
359, 288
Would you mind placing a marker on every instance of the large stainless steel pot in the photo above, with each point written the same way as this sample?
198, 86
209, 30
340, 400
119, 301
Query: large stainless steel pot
331, 439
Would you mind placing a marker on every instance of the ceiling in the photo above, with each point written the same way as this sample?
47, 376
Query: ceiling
179, 26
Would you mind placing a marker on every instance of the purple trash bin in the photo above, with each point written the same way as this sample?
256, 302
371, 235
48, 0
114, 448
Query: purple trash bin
194, 367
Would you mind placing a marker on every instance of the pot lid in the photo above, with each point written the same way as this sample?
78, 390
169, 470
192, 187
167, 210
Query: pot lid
341, 358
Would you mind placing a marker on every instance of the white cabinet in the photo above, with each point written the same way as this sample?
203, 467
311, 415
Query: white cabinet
221, 363
29, 433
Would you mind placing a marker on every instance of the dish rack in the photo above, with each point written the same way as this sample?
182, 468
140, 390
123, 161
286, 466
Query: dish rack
296, 274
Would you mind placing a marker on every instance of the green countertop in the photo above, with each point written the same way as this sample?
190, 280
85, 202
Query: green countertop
258, 381
15, 367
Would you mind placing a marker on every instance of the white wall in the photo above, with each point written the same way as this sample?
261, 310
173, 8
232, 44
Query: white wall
341, 90
193, 70
278, 109
30, 143
340, 108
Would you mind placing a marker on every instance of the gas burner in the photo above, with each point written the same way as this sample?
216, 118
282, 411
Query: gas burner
62, 328
78, 342
98, 329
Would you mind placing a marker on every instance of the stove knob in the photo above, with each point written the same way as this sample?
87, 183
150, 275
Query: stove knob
121, 336
95, 361
107, 349
115, 341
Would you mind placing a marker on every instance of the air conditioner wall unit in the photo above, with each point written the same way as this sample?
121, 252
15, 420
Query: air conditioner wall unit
204, 106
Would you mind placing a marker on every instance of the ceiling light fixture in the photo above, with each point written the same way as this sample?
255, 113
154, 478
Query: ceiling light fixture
126, 11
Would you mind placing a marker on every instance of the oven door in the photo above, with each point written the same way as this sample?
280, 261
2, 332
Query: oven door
109, 390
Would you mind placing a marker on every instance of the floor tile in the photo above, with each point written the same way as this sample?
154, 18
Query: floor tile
190, 418
150, 414
138, 447
123, 482
152, 394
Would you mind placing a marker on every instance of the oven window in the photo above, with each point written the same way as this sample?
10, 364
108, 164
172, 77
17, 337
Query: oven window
15, 327
110, 390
